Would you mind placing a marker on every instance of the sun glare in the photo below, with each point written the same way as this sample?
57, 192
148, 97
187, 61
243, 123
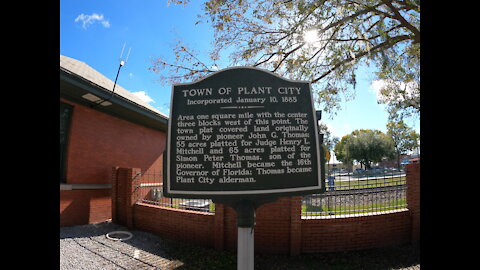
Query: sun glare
310, 36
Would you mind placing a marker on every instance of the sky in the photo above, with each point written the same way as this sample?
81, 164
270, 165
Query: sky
96, 32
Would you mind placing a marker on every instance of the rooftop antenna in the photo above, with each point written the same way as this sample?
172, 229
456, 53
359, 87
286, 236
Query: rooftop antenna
121, 59
122, 63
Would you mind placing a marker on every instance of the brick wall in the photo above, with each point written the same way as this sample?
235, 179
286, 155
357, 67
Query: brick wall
184, 225
272, 229
353, 233
98, 142
280, 229
413, 198
84, 206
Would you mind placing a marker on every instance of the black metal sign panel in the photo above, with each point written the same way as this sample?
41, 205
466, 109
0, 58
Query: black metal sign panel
242, 131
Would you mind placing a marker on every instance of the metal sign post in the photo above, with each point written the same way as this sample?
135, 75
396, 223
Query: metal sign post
245, 256
245, 209
245, 225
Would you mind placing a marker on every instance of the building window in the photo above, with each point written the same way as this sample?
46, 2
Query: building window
65, 117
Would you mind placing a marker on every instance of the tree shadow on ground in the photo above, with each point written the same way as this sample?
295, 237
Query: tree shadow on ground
184, 256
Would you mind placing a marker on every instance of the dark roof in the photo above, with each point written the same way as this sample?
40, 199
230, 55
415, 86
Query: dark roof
78, 79
85, 71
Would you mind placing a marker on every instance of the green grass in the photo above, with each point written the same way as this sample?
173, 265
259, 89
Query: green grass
211, 208
308, 210
369, 183
359, 208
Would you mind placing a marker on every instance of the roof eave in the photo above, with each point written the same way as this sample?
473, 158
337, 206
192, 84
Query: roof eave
121, 107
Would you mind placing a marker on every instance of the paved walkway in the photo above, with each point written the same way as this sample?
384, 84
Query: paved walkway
87, 247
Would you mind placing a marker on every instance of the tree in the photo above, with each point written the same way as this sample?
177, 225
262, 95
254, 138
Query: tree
342, 152
365, 146
323, 42
404, 138
400, 89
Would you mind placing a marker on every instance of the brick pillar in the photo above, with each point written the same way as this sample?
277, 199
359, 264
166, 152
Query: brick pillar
413, 198
218, 227
295, 225
114, 194
123, 187
133, 173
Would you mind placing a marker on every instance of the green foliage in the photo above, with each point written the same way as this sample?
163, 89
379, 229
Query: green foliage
400, 73
310, 210
364, 146
270, 34
404, 138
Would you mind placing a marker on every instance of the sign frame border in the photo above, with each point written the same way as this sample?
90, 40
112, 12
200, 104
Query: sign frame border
168, 192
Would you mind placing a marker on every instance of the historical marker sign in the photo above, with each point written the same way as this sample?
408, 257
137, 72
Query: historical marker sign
242, 132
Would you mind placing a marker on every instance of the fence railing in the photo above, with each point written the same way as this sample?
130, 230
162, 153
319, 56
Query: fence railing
149, 189
357, 193
347, 193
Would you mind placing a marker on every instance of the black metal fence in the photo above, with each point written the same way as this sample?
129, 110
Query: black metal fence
149, 189
358, 192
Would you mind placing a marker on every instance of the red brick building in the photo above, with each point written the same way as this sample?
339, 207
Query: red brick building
99, 130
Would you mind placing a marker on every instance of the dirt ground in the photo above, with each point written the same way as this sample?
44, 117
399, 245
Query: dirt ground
87, 247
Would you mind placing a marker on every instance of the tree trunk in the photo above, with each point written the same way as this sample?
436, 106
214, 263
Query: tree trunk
367, 165
398, 160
